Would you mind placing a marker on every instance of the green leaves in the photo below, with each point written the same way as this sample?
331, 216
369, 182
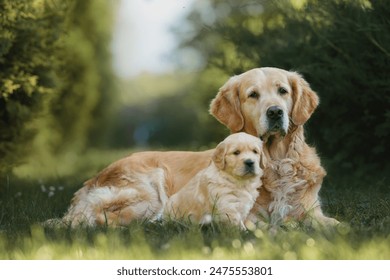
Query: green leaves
54, 61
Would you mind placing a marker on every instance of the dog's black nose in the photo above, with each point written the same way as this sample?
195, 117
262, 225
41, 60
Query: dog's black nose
274, 112
249, 163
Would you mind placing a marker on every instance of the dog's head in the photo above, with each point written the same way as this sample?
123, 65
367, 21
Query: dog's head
264, 102
240, 155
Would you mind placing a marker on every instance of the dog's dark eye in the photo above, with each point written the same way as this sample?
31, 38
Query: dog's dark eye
255, 151
282, 90
236, 152
253, 94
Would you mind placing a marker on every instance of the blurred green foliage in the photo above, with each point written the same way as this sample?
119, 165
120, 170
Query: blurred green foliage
55, 76
341, 47
158, 111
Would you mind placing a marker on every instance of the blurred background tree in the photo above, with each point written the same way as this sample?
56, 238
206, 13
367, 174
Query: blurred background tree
30, 33
56, 80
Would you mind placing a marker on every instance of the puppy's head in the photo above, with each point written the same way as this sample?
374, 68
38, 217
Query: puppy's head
264, 102
240, 155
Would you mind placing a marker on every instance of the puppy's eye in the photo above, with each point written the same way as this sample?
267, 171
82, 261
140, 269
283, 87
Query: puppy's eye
282, 90
253, 94
255, 151
236, 152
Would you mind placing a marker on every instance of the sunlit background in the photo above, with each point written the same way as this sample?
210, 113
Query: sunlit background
143, 41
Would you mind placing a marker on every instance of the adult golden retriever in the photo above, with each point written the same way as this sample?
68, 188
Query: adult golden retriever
227, 189
269, 103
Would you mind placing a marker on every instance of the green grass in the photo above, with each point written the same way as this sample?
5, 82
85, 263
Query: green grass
26, 201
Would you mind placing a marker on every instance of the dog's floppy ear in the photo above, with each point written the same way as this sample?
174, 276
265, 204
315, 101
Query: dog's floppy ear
225, 107
305, 100
219, 156
263, 160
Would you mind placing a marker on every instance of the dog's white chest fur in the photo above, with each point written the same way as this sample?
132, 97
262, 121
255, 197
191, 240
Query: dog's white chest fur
285, 186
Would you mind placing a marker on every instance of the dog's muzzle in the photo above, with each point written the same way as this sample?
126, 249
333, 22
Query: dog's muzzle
275, 117
249, 166
276, 123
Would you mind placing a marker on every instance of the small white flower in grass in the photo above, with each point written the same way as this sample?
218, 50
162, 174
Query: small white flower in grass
207, 219
43, 188
52, 188
50, 194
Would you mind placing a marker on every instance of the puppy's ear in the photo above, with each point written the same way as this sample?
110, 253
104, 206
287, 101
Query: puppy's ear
219, 156
305, 100
263, 160
225, 107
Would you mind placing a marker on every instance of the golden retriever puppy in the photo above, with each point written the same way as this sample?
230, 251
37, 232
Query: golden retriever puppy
269, 103
227, 189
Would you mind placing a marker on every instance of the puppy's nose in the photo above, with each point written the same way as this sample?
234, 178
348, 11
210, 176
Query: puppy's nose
274, 112
249, 163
